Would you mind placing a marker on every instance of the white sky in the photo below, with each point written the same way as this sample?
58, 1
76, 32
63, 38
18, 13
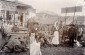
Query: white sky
53, 5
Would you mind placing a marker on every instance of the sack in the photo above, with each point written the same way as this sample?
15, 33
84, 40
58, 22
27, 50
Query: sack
17, 48
78, 44
7, 49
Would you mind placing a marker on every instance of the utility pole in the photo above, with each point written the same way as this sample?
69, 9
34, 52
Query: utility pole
74, 14
66, 15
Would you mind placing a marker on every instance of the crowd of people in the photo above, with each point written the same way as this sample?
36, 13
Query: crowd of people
68, 35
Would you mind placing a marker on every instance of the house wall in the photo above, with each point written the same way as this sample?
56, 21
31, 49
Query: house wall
14, 12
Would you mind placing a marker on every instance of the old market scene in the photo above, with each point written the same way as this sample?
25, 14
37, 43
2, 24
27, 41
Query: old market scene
55, 29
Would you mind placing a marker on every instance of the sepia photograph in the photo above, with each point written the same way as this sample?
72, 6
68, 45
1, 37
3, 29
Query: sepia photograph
42, 27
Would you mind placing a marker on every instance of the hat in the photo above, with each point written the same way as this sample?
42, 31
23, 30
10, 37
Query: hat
72, 25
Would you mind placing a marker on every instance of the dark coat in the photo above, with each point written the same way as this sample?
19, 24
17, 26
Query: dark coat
72, 33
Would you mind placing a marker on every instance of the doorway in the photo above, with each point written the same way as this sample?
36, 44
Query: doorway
21, 19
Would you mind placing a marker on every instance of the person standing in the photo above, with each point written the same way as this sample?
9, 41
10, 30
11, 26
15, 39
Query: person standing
72, 35
35, 40
80, 34
55, 40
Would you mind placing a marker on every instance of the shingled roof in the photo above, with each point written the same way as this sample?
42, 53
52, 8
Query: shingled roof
18, 3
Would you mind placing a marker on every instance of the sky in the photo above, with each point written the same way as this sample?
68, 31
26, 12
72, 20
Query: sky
53, 5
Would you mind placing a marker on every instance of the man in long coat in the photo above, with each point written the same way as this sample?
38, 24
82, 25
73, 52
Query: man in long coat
72, 34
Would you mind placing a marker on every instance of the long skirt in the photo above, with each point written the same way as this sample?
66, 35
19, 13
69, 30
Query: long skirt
35, 48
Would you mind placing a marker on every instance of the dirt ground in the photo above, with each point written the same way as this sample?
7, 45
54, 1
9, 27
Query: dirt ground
63, 51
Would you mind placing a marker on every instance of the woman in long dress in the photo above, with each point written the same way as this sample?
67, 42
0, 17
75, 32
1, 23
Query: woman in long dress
55, 40
35, 46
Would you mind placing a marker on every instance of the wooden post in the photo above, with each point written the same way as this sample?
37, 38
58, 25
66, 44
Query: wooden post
66, 15
14, 18
74, 14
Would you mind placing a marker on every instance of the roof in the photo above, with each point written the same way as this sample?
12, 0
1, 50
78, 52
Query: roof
48, 13
47, 17
18, 3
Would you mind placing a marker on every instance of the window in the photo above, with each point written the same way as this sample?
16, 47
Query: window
18, 17
9, 17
